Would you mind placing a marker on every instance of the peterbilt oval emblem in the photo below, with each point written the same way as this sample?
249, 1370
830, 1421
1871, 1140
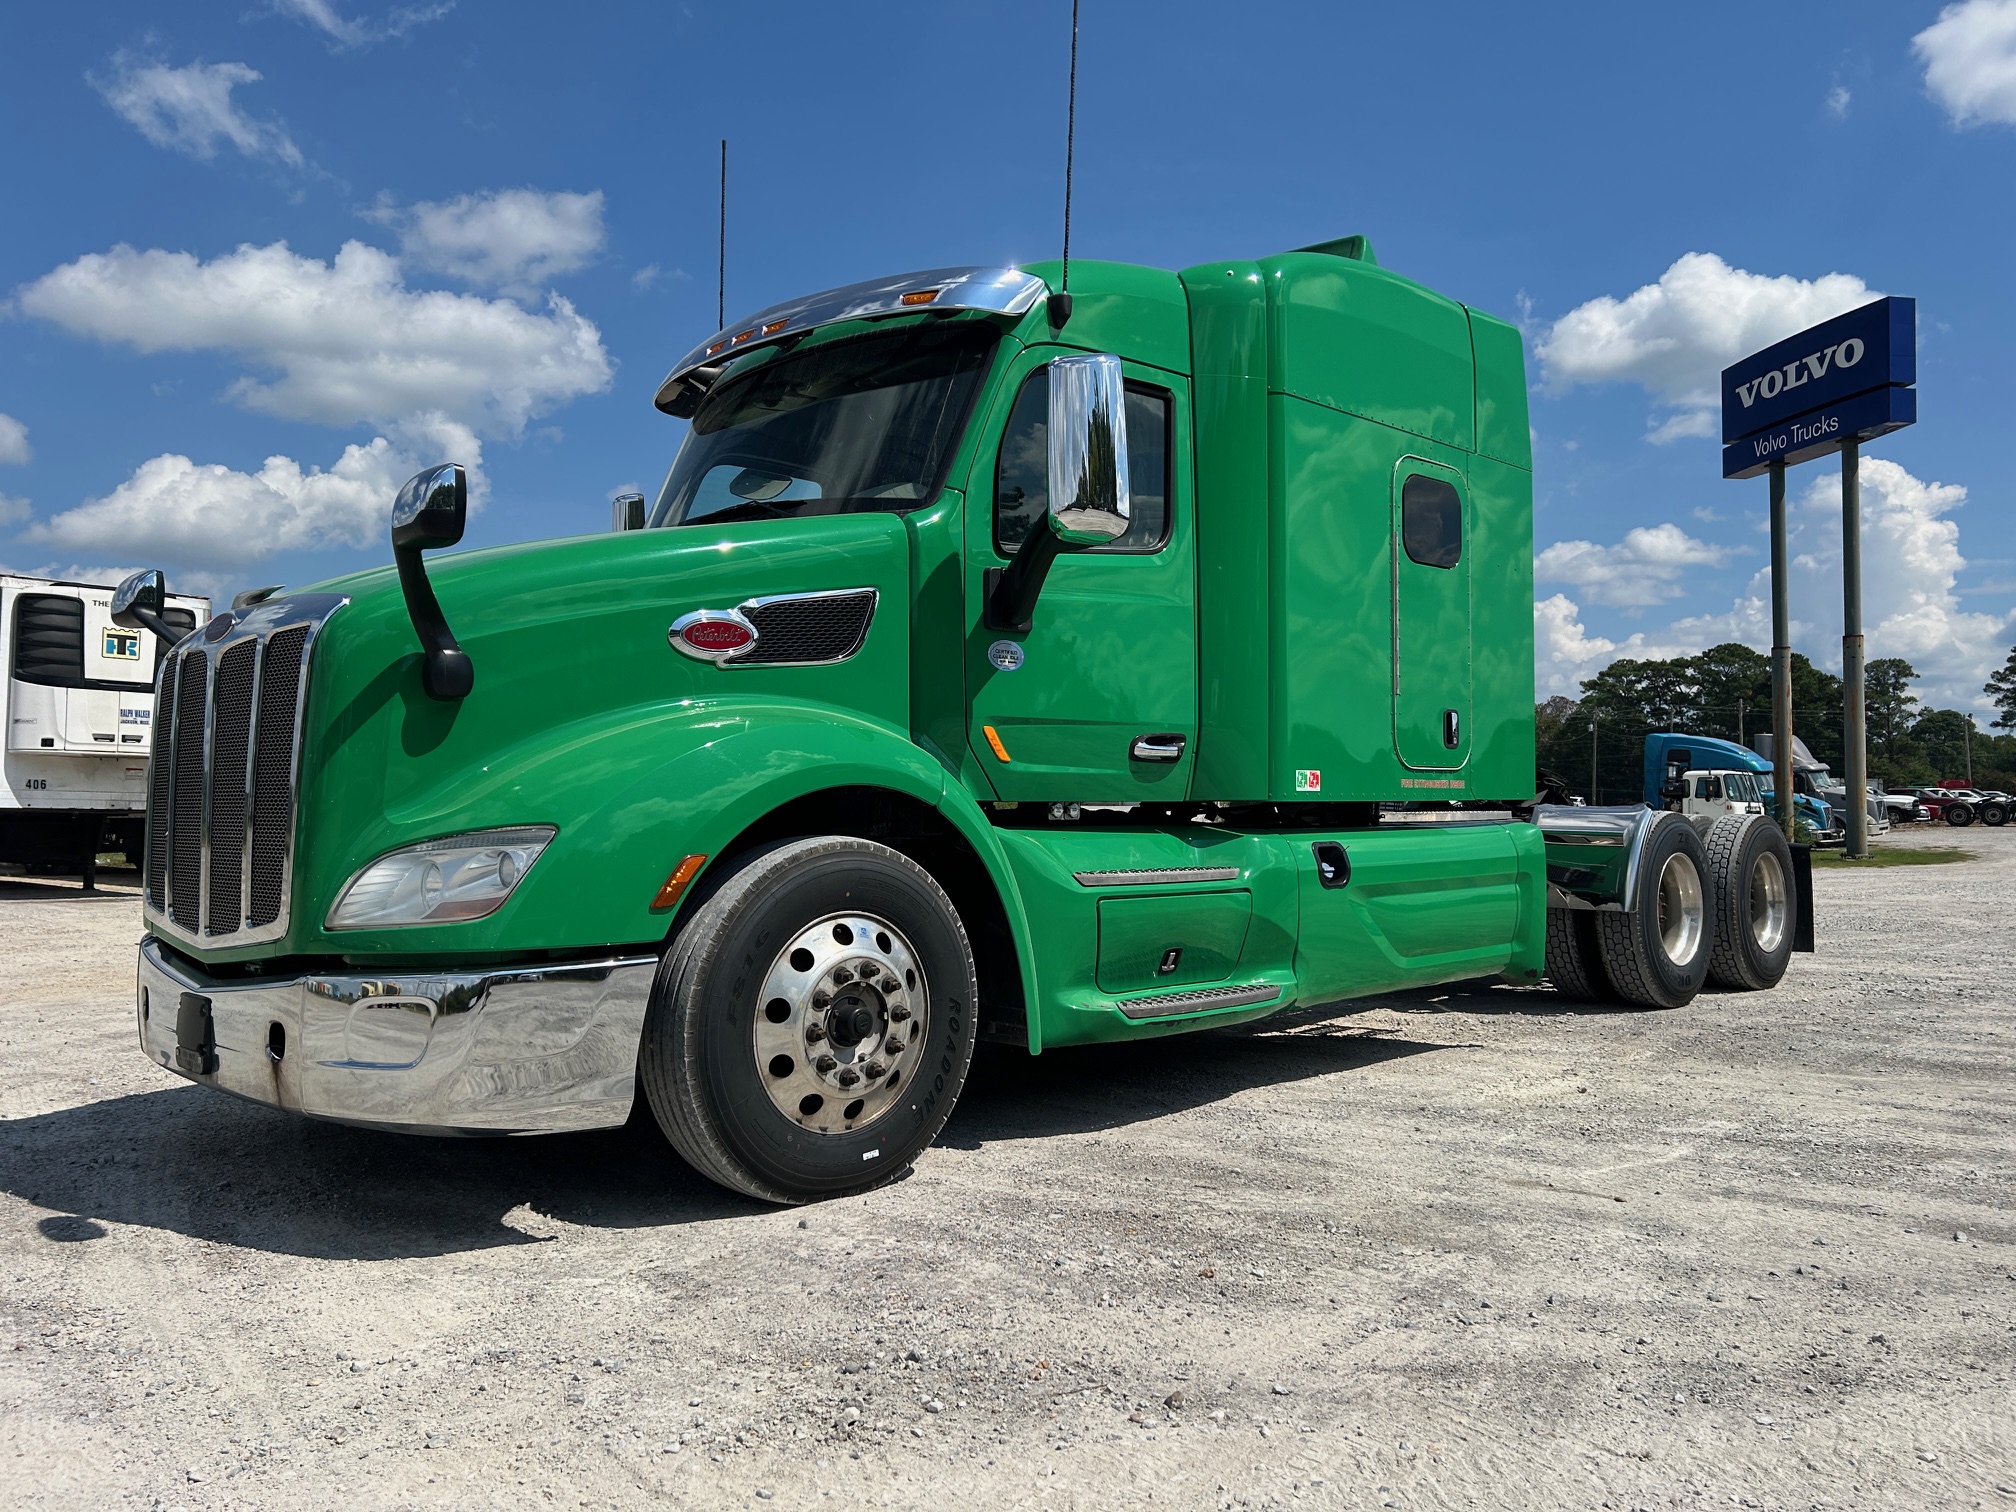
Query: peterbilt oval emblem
712, 634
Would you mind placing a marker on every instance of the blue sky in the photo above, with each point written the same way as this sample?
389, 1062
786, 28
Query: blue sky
354, 239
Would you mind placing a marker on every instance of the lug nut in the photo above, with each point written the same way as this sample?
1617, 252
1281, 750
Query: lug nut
822, 999
898, 1013
848, 1076
824, 1065
814, 1033
892, 1047
842, 975
891, 986
874, 1069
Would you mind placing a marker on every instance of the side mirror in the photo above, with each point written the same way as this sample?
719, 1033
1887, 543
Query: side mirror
430, 512
626, 512
1087, 435
1673, 789
137, 604
1089, 501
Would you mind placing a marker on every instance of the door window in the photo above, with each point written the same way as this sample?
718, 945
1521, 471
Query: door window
1021, 477
1431, 521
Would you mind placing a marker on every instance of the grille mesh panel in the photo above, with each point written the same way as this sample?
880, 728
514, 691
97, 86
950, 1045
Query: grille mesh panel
273, 777
231, 718
820, 629
185, 844
159, 765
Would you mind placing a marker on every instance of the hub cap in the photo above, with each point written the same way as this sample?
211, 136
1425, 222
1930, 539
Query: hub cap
844, 1008
1770, 905
1680, 911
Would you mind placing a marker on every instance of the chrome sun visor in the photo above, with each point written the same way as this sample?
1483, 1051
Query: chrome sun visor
999, 291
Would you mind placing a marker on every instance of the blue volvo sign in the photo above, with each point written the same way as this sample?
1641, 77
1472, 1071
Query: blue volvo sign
1846, 379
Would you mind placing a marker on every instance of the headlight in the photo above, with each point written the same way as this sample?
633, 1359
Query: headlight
442, 881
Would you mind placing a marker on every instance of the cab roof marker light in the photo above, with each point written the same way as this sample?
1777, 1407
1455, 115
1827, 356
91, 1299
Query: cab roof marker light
775, 326
676, 884
742, 336
920, 297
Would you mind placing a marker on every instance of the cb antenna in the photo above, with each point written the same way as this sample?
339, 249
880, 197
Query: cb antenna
1060, 302
721, 273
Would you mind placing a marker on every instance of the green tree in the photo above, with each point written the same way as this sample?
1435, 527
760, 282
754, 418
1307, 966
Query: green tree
2001, 691
1944, 735
1888, 703
1732, 691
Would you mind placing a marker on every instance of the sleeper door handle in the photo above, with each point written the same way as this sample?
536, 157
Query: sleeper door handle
1452, 728
1157, 748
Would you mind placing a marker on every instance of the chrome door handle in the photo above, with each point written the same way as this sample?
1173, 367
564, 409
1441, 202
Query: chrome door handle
1157, 748
1452, 729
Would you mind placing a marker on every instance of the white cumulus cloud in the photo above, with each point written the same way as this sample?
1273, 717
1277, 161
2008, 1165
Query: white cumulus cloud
211, 517
14, 440
513, 239
1969, 55
344, 342
1911, 608
1644, 568
189, 109
1674, 337
12, 510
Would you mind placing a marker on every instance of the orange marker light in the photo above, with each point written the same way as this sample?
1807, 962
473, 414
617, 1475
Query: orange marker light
994, 740
716, 347
920, 296
742, 336
775, 326
675, 885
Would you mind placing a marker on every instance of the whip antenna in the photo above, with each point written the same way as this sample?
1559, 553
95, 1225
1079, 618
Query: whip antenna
1060, 302
721, 274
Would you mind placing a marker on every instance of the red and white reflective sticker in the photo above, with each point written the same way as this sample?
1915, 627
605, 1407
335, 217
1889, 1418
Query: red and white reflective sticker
1308, 780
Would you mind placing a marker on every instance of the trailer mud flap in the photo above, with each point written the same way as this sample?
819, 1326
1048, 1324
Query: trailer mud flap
1802, 884
195, 1036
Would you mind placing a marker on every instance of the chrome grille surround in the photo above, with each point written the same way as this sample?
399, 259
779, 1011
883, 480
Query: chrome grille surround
249, 685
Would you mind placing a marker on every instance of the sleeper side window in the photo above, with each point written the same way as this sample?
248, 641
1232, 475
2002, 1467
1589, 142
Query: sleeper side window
1431, 521
1021, 477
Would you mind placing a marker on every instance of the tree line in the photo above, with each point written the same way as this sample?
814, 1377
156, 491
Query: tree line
1597, 742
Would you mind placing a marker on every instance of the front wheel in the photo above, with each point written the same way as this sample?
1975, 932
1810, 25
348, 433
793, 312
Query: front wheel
812, 1024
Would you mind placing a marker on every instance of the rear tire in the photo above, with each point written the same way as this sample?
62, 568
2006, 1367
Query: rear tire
1752, 868
1574, 956
1959, 815
737, 1078
1657, 955
1994, 815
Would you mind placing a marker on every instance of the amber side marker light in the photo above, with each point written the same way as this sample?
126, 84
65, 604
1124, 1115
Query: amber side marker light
675, 885
994, 740
776, 325
920, 296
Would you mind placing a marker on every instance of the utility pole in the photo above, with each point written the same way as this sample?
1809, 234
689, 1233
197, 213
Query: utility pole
1854, 733
1593, 798
1969, 739
1781, 657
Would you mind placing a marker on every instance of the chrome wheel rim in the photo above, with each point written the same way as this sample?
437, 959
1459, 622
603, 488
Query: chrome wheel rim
843, 1010
1770, 902
1681, 916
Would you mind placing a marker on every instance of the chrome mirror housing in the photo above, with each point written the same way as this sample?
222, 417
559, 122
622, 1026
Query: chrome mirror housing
626, 512
1089, 503
430, 512
137, 604
432, 508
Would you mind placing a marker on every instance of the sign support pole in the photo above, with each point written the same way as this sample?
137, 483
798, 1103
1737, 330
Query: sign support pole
1781, 657
1854, 741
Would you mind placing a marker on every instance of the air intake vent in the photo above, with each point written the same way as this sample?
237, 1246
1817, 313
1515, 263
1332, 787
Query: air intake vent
221, 795
807, 629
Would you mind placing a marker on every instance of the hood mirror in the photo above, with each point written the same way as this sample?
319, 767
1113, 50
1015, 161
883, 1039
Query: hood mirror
1089, 503
430, 512
626, 512
137, 604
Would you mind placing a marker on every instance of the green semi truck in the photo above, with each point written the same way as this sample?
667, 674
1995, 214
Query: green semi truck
996, 661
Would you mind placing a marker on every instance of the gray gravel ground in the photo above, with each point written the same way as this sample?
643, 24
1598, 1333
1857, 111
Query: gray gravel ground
1474, 1247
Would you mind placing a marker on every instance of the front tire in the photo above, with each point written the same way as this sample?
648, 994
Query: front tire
1657, 955
1754, 882
813, 1022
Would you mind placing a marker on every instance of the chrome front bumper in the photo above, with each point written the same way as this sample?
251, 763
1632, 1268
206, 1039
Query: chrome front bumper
520, 1050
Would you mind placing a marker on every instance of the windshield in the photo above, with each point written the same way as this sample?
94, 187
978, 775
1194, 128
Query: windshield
1743, 788
852, 427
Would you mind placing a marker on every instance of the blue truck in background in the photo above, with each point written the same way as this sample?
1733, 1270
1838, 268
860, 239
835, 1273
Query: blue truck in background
1678, 768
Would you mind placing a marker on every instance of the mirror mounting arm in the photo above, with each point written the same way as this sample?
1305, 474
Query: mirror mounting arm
430, 511
1012, 590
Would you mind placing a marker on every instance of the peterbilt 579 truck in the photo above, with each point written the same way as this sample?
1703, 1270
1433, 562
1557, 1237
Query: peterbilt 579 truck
995, 661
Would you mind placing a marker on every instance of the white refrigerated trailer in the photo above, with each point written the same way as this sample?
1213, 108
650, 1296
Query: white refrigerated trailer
80, 704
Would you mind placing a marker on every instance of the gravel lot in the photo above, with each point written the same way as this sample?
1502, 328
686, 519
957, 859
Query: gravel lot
1474, 1247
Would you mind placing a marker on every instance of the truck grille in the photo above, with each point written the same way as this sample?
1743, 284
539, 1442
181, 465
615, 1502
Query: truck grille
220, 798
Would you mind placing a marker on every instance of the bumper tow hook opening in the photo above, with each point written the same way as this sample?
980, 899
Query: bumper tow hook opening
276, 1042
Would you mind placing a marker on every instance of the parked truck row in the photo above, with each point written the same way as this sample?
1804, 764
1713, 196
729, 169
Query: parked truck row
995, 660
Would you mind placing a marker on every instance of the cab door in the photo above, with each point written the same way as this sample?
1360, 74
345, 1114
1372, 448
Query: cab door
1097, 701
1431, 616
